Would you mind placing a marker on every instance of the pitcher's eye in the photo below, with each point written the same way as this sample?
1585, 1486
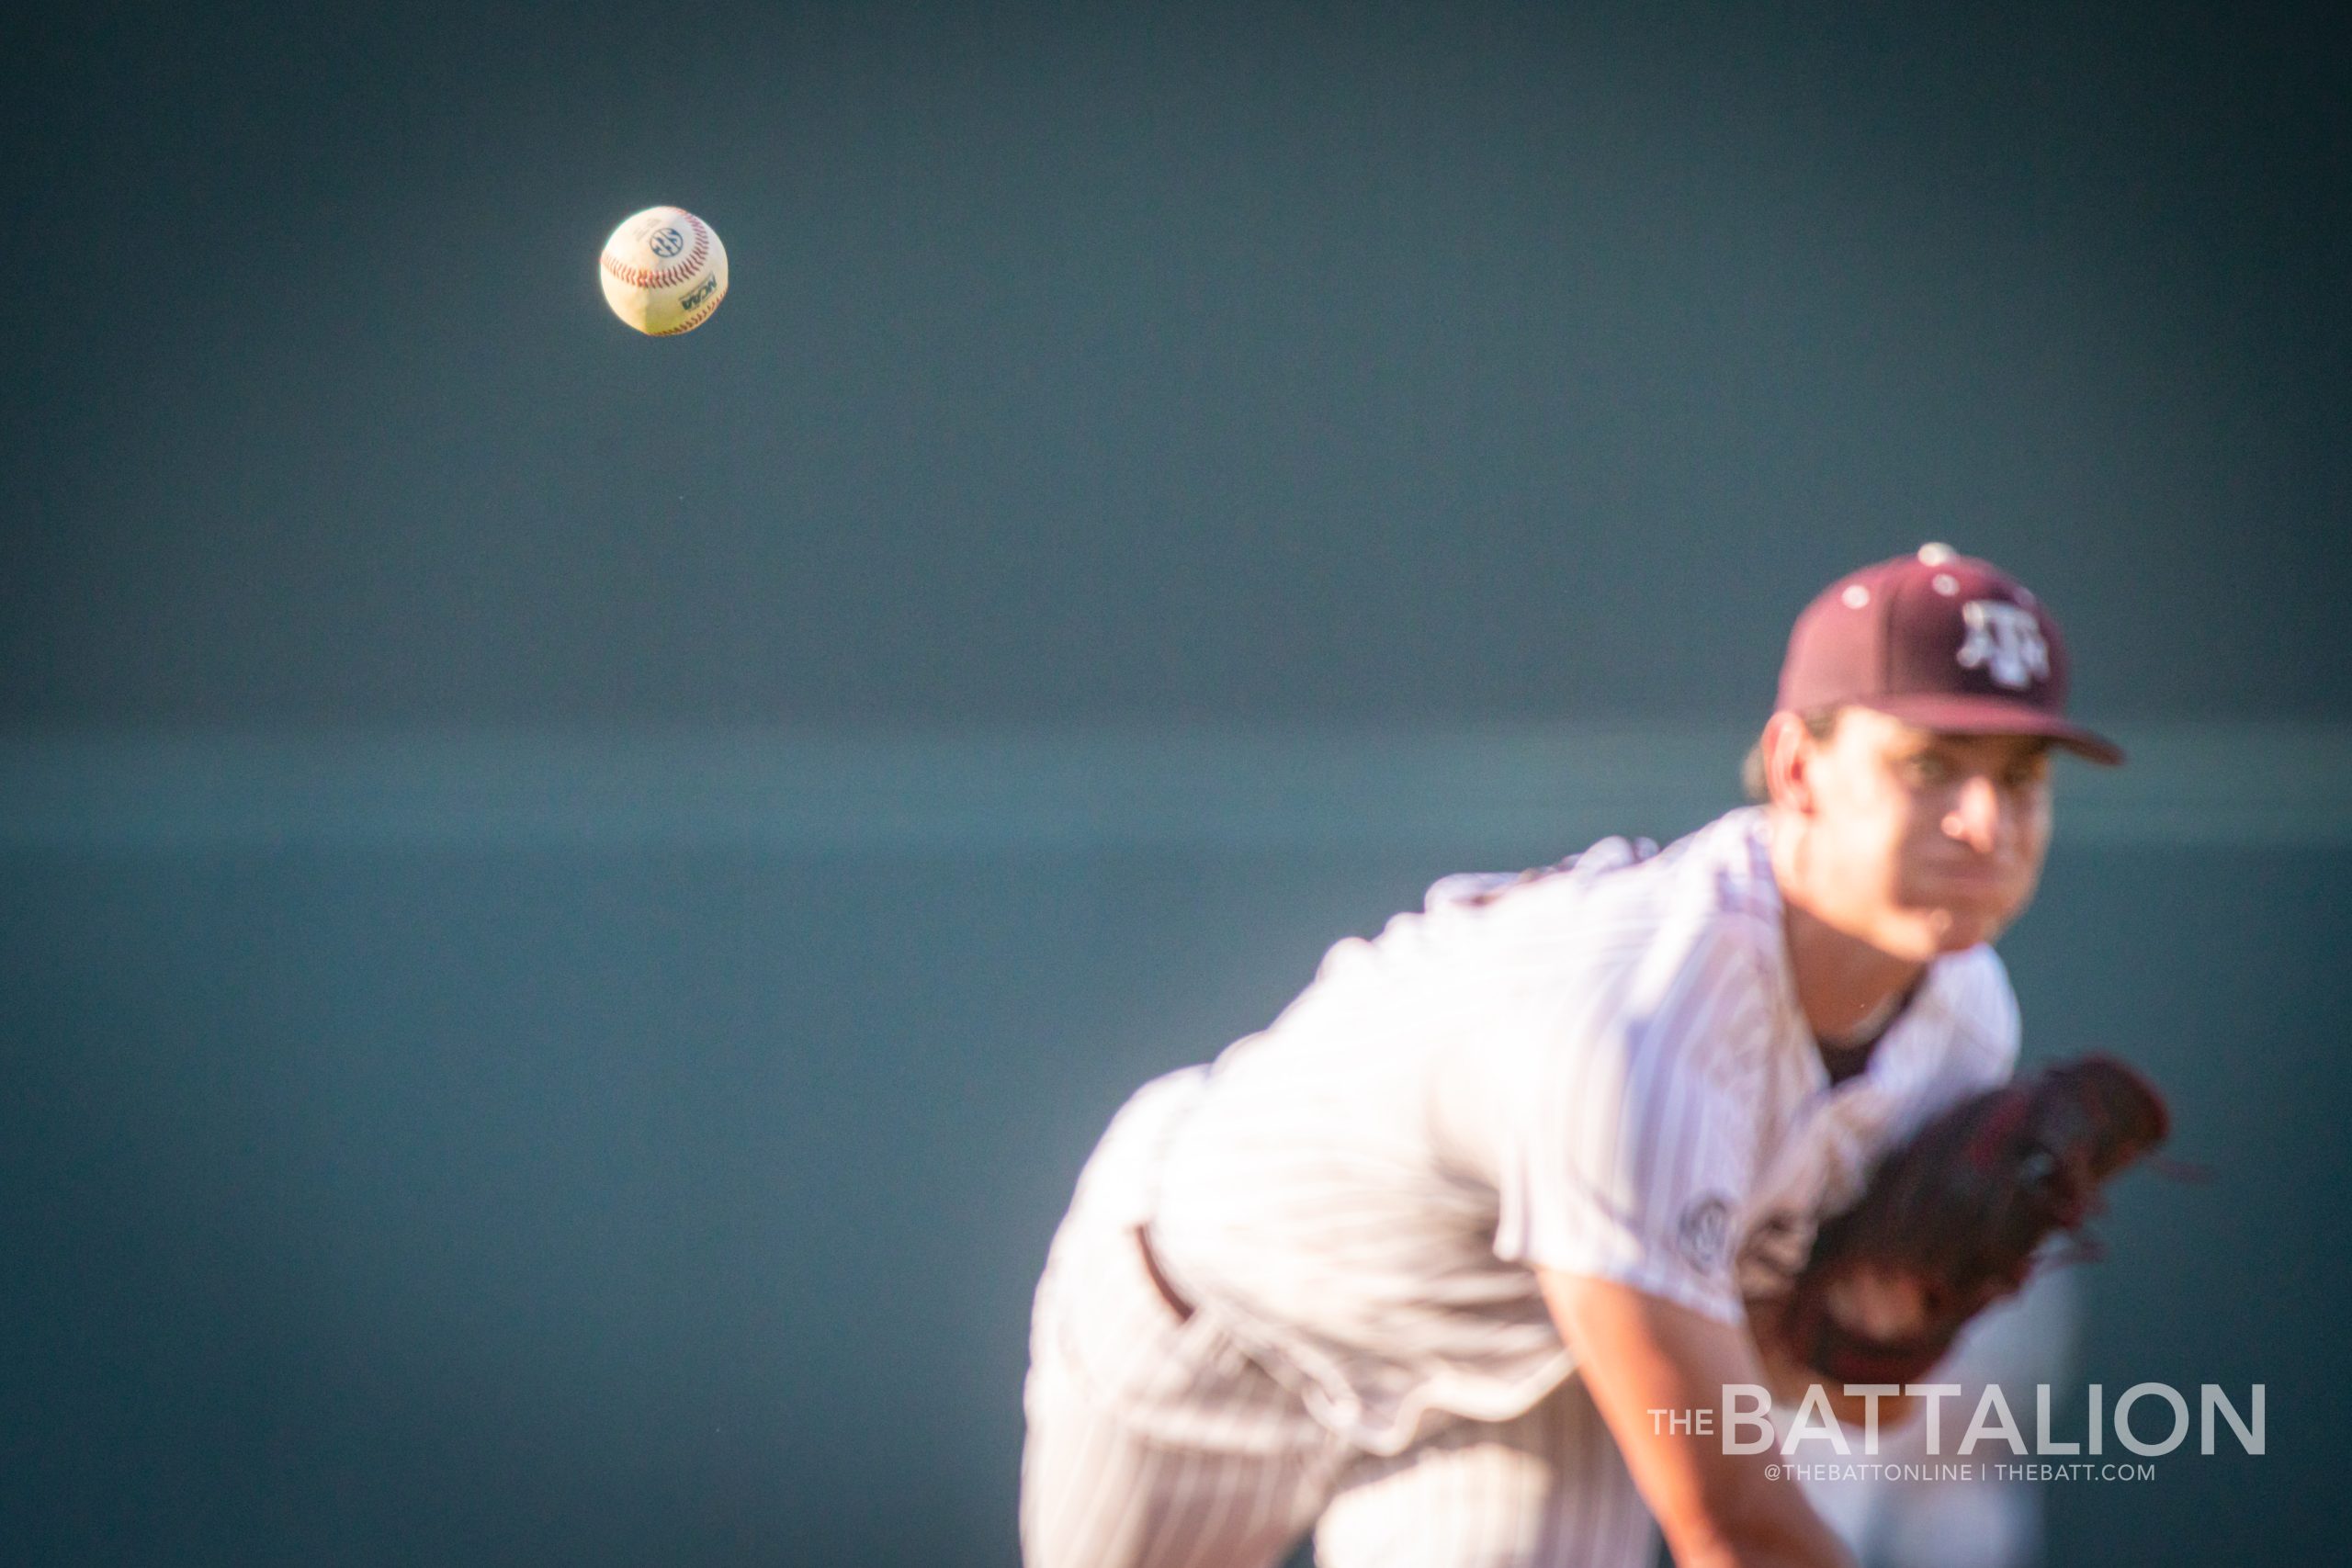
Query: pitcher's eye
1927, 768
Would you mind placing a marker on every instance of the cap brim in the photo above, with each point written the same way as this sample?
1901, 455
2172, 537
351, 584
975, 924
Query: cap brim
1961, 714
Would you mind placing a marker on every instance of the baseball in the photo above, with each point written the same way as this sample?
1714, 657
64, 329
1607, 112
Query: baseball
665, 271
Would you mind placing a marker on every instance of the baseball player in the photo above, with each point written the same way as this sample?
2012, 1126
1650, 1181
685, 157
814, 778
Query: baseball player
1420, 1267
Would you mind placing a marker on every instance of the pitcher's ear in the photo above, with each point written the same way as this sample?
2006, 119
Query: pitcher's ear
1789, 751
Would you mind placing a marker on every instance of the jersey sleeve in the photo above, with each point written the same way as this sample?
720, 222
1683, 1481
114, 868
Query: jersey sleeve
1630, 1153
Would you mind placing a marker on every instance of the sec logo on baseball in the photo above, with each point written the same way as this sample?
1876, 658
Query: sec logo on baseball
665, 271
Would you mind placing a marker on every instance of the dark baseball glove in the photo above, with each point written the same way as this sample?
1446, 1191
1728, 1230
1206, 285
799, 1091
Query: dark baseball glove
1952, 1221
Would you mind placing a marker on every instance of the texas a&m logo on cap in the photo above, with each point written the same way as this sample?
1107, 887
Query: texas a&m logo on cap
2004, 641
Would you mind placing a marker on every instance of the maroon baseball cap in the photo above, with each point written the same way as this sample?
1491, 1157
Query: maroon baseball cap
1941, 640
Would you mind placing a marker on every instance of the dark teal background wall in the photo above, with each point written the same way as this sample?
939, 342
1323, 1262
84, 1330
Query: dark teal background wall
1121, 362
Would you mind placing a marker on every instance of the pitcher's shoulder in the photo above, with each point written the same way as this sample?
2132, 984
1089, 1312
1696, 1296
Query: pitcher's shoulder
1974, 989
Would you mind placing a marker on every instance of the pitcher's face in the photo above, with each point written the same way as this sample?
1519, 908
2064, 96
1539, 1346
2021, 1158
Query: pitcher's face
1927, 842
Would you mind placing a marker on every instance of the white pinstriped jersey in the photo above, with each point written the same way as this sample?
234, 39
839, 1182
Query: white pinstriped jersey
1600, 1070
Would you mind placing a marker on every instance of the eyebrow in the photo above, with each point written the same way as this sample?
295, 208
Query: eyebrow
2037, 745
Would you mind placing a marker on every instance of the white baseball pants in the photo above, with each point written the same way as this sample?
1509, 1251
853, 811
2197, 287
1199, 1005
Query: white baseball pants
1155, 1442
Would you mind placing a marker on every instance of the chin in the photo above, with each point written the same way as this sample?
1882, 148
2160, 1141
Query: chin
1948, 929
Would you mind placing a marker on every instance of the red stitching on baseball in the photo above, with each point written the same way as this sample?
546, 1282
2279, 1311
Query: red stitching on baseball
638, 277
